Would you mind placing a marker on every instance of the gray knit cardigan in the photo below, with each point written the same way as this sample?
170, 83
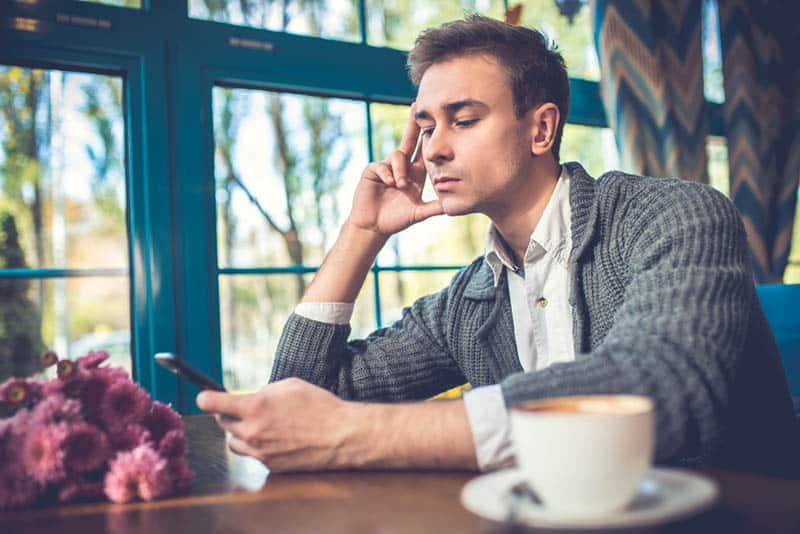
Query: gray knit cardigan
663, 305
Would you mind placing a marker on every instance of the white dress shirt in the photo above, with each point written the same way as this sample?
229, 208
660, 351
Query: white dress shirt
539, 293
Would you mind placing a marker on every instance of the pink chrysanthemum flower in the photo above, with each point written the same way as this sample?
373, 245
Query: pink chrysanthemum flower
48, 359
16, 488
6, 441
66, 369
162, 419
56, 409
124, 403
42, 453
85, 448
77, 487
93, 389
15, 392
138, 473
173, 444
112, 374
92, 359
182, 476
129, 437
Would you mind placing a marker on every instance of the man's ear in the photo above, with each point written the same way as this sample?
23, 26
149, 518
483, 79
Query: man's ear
544, 123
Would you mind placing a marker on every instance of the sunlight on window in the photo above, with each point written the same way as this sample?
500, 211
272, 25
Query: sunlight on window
286, 167
136, 4
712, 54
574, 39
63, 206
718, 172
396, 23
333, 19
592, 147
792, 273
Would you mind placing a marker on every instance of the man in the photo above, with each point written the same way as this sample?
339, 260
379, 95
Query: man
620, 285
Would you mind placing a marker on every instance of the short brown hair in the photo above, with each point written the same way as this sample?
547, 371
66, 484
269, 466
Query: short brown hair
536, 70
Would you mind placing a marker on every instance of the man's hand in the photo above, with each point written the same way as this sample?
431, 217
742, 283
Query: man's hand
292, 425
289, 425
388, 198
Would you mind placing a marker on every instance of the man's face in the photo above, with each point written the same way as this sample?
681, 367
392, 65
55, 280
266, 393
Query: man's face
476, 151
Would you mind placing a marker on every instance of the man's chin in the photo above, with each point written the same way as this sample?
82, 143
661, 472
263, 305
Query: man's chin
454, 208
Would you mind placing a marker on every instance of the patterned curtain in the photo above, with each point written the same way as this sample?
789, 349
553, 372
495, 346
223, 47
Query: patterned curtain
652, 84
760, 47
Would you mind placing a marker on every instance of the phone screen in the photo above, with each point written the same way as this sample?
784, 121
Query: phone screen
178, 366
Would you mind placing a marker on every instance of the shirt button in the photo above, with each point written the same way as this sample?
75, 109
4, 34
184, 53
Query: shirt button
541, 302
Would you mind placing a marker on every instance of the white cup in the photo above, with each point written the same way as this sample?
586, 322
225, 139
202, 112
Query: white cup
584, 456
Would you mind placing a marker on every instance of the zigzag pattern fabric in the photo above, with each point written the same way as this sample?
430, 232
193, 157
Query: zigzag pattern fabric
760, 46
652, 84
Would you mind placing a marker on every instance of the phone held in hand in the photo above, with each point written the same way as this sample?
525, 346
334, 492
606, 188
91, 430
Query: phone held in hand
178, 366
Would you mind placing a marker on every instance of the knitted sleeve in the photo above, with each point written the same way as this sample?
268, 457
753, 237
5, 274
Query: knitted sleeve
679, 333
408, 360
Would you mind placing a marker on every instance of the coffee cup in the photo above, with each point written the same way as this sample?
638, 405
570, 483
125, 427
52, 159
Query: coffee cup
584, 456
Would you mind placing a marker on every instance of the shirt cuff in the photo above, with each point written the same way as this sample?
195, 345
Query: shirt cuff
491, 427
326, 312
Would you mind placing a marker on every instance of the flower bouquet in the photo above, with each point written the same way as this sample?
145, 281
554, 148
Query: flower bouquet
87, 433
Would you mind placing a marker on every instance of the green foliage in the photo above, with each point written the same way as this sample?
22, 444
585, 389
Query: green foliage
20, 321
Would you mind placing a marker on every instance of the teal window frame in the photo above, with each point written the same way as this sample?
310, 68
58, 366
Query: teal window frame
170, 64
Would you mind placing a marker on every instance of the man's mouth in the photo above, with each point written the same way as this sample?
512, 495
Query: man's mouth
443, 179
443, 184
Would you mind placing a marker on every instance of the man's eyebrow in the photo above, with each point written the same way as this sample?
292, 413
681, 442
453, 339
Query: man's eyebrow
452, 108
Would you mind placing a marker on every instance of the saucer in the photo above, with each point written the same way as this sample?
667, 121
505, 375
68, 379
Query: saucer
664, 495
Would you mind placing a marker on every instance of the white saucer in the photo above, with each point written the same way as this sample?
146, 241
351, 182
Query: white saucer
664, 495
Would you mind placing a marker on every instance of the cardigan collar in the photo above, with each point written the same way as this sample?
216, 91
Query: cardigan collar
584, 214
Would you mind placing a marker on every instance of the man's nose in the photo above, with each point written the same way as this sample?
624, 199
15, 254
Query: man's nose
438, 146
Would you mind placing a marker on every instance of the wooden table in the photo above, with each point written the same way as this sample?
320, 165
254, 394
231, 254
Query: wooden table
232, 494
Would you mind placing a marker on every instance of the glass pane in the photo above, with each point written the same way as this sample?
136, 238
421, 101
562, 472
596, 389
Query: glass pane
401, 289
712, 54
71, 316
396, 23
718, 171
575, 37
594, 148
286, 168
253, 310
388, 123
441, 240
335, 19
792, 273
137, 4
62, 166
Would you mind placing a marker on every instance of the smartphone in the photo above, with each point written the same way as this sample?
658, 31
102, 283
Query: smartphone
178, 366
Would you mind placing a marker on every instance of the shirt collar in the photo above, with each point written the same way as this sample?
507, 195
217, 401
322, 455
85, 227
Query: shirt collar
550, 234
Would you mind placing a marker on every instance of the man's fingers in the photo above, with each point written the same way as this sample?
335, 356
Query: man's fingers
237, 427
221, 403
242, 448
383, 172
410, 134
399, 168
428, 209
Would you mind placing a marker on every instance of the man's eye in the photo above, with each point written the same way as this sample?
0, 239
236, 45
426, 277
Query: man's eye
426, 132
466, 123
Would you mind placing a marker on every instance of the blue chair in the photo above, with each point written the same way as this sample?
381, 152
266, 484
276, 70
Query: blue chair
781, 304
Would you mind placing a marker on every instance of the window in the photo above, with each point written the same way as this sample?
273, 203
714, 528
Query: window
575, 37
63, 213
396, 23
286, 167
333, 19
